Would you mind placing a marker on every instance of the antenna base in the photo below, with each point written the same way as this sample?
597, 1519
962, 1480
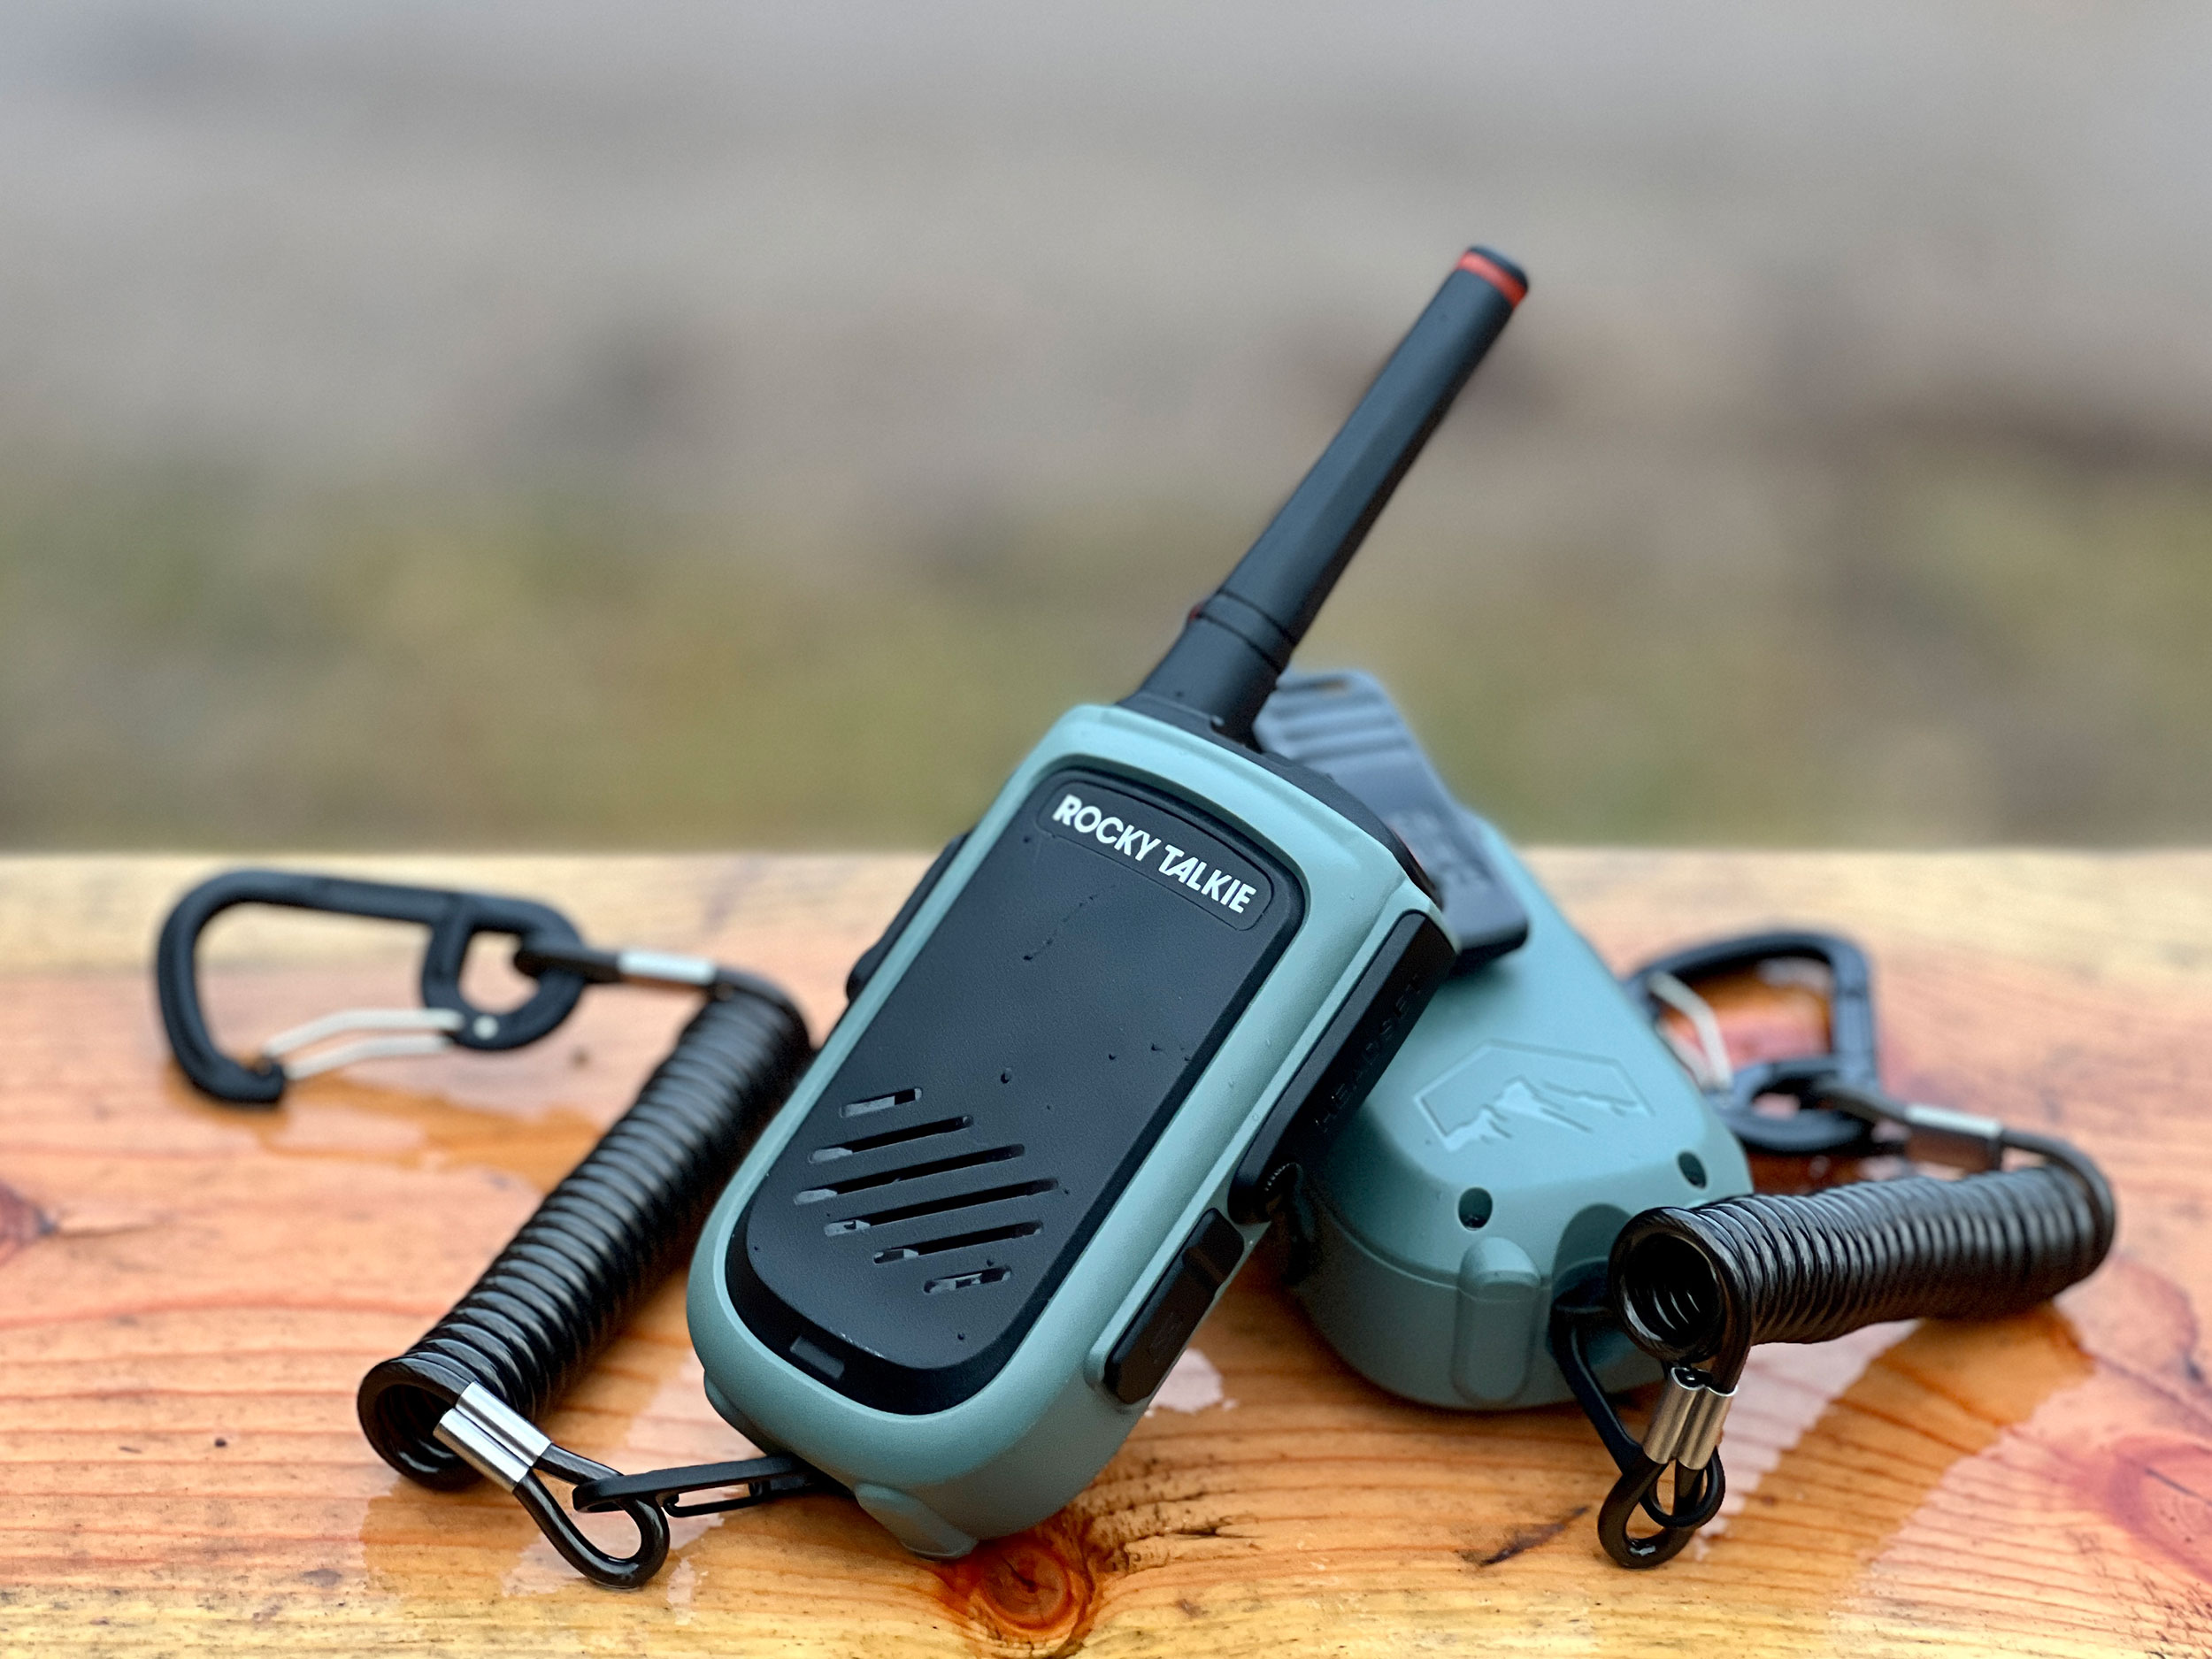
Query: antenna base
1221, 668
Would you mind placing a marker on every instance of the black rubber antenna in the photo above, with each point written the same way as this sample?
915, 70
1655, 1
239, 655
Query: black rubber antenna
1225, 661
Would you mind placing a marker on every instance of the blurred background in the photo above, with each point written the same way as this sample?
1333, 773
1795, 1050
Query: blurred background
678, 424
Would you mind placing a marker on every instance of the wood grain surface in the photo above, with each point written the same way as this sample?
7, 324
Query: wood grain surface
188, 1295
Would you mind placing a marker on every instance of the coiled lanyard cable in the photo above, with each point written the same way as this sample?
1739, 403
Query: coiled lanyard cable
459, 1403
1697, 1288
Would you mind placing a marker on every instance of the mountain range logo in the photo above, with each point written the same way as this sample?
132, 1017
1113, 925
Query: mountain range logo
1505, 1090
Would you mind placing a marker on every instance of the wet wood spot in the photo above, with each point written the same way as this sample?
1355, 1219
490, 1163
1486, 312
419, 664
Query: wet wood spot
2160, 1488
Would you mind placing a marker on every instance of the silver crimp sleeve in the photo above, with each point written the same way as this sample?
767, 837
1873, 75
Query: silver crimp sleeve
1676, 1397
663, 967
1700, 1434
1686, 1424
492, 1437
1960, 1139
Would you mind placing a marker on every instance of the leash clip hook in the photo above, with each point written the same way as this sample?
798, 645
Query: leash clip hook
446, 1017
1683, 1434
511, 1452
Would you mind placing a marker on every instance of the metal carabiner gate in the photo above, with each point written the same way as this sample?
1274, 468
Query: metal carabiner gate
446, 1017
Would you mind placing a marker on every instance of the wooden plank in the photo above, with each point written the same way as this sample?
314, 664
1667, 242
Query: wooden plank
188, 1295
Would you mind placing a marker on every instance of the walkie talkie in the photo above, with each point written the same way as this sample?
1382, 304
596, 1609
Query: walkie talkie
1074, 1078
1531, 1112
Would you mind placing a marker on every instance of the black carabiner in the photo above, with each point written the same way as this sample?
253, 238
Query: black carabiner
1580, 1310
1851, 1060
453, 919
1697, 1499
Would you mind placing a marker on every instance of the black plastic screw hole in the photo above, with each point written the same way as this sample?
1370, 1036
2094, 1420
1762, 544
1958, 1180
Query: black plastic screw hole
1474, 1207
1692, 1169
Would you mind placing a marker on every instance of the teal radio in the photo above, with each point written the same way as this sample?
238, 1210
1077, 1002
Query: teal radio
1077, 1075
1531, 1113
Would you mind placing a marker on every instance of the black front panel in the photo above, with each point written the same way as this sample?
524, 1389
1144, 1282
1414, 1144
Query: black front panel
999, 1101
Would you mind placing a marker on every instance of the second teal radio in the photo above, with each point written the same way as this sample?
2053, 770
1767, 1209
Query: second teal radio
1531, 1113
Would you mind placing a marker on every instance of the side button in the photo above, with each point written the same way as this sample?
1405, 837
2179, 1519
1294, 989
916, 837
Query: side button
1360, 1041
1156, 1337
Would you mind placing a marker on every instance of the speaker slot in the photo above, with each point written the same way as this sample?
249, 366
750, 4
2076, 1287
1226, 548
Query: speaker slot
965, 1281
959, 1242
889, 1138
911, 1173
881, 1104
938, 1206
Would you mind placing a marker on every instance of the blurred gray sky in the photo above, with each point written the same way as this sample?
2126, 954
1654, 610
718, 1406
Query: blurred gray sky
874, 279
883, 250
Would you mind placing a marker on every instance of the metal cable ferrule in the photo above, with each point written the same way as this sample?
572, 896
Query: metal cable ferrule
1686, 1424
492, 1438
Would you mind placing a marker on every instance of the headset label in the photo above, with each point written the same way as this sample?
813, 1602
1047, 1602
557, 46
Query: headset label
1164, 846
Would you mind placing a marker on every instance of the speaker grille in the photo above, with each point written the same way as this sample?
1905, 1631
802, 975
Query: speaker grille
896, 1191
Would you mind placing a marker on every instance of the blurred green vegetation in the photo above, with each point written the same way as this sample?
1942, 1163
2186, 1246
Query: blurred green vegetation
528, 425
1900, 647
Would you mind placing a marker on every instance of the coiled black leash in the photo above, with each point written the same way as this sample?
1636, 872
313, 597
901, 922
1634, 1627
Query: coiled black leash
459, 1403
1698, 1289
